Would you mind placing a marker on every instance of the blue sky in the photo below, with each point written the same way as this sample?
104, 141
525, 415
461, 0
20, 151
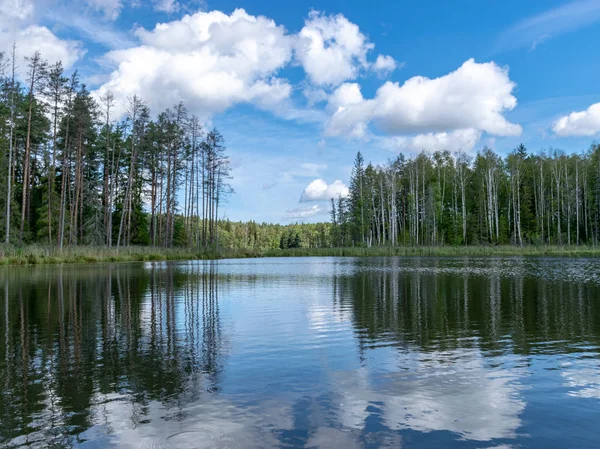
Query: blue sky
298, 87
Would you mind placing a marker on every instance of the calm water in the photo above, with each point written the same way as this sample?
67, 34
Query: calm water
302, 353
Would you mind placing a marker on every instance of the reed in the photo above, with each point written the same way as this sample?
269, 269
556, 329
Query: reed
440, 251
37, 255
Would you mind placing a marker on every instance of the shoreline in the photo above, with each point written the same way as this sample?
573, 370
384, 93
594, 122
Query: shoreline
42, 255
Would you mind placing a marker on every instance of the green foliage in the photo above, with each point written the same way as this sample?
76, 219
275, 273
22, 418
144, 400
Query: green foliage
180, 235
444, 199
290, 239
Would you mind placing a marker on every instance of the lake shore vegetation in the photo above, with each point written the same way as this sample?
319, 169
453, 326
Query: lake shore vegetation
43, 255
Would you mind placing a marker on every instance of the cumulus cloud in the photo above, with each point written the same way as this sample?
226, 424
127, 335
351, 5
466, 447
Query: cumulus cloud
582, 123
16, 17
213, 59
331, 49
38, 38
459, 140
341, 102
216, 61
319, 190
385, 64
300, 213
345, 95
474, 96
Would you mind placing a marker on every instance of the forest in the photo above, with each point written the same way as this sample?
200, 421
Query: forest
72, 175
439, 198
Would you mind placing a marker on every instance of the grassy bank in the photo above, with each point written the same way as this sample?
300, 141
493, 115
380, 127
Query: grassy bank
442, 251
37, 255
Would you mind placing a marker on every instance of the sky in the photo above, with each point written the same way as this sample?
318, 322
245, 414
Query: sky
297, 88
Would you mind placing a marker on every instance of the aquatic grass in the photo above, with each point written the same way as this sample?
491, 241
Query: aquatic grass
41, 255
440, 251
37, 255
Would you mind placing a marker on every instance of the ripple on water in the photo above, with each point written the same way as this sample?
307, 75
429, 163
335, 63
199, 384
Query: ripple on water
199, 439
263, 390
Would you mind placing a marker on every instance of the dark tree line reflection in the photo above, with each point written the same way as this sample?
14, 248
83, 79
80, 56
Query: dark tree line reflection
70, 338
435, 306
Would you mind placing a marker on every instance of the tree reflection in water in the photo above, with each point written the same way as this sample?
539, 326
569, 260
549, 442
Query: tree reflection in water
75, 341
304, 353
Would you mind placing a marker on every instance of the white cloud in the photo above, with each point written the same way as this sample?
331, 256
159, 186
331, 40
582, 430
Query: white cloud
474, 96
16, 25
16, 10
459, 140
39, 38
94, 30
168, 6
305, 212
319, 190
247, 44
385, 64
345, 95
110, 8
331, 49
314, 95
213, 60
532, 31
582, 123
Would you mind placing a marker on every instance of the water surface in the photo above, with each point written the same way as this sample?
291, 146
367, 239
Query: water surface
302, 353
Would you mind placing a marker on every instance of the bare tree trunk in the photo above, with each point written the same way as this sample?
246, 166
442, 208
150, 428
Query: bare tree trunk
10, 146
26, 165
135, 105
542, 204
65, 166
108, 101
78, 187
577, 196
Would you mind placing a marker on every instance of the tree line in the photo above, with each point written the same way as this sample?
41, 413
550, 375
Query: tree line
441, 198
72, 175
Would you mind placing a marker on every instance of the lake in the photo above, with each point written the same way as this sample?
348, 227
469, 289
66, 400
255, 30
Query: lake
302, 353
